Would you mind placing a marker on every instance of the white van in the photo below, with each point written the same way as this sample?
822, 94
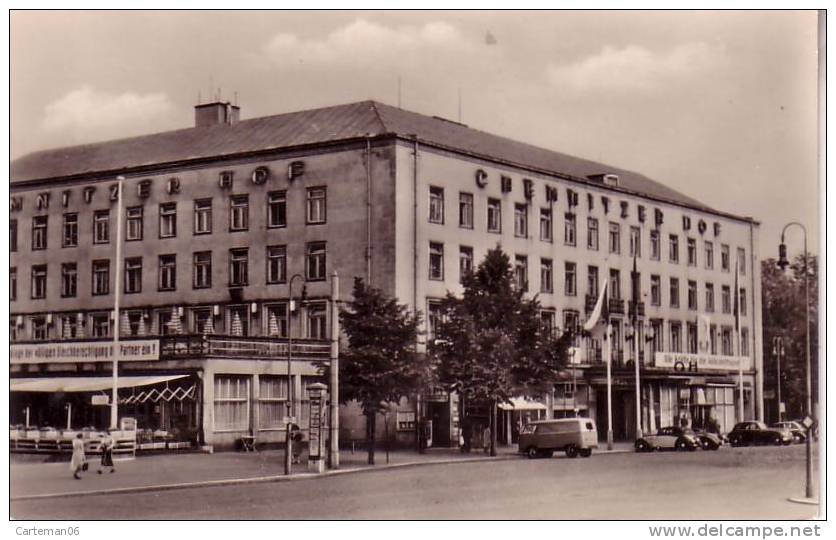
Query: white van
572, 435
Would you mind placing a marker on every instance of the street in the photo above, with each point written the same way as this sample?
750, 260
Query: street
732, 483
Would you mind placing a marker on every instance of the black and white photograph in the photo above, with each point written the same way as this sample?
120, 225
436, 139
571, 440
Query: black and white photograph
417, 265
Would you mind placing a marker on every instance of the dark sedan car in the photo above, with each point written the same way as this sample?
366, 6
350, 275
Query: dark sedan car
753, 432
709, 441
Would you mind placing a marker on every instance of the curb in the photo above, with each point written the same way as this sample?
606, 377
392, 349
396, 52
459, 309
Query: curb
269, 479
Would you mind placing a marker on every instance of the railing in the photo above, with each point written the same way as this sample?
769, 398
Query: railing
247, 347
616, 305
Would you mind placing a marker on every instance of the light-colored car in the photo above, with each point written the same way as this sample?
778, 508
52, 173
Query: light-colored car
575, 436
668, 438
799, 432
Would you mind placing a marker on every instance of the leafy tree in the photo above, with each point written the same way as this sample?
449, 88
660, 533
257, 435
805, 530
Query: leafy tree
380, 365
784, 315
490, 344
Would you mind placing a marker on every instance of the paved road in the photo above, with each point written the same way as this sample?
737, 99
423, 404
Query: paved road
745, 483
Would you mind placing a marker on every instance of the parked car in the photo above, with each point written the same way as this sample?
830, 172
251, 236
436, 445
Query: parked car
799, 432
709, 441
668, 438
575, 436
755, 432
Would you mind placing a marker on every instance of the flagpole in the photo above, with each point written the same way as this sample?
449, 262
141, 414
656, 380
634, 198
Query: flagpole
740, 411
609, 385
114, 400
635, 313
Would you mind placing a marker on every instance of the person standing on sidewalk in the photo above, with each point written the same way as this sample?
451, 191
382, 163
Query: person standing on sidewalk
78, 459
107, 453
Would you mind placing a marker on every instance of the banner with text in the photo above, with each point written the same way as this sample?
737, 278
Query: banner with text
695, 363
84, 351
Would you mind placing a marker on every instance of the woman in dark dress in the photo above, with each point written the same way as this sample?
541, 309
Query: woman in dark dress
107, 453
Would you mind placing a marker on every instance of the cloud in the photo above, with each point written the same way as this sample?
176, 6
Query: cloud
637, 70
85, 114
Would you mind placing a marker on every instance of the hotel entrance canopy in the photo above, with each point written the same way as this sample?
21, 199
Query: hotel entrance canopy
85, 384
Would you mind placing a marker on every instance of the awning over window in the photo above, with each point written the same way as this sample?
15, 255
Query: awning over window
85, 384
522, 404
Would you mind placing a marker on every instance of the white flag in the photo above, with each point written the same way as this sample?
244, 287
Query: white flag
596, 313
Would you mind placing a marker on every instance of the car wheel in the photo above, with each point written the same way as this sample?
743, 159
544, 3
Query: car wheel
572, 451
682, 445
705, 445
778, 440
643, 446
532, 452
586, 452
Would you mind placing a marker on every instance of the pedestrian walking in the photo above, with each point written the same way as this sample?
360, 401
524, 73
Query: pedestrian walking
107, 453
486, 439
296, 443
78, 461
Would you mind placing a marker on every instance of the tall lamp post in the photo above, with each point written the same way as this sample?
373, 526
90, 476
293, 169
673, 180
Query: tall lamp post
778, 351
783, 262
288, 448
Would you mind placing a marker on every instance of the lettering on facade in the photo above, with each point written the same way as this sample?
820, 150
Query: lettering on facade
701, 226
65, 197
143, 188
716, 229
80, 351
15, 204
113, 190
481, 178
295, 170
173, 186
693, 363
42, 201
625, 206
88, 194
225, 179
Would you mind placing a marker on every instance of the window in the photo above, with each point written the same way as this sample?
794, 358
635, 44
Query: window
655, 250
570, 232
635, 242
548, 318
316, 205
692, 295
655, 290
239, 212
238, 320
570, 282
546, 281
725, 298
276, 264
317, 321
167, 272
202, 269
434, 317
276, 209
726, 341
692, 252
465, 262
164, 322
436, 261
134, 318
674, 292
13, 235
39, 224
494, 215
520, 220
13, 284
712, 338
466, 210
615, 284
203, 216
133, 275
134, 223
592, 281
101, 277
238, 267
742, 301
168, 220
436, 204
69, 280
546, 224
201, 318
39, 281
69, 236
615, 238
673, 252
521, 272
101, 227
272, 401
232, 408
100, 325
741, 260
709, 255
315, 255
592, 233
744, 342
692, 338
658, 334
709, 297
724, 257
276, 320
571, 320
40, 330
676, 336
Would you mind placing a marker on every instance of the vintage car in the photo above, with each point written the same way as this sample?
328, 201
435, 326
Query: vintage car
799, 432
668, 438
575, 436
709, 441
756, 432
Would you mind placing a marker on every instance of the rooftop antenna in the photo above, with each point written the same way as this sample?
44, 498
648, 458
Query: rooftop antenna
399, 91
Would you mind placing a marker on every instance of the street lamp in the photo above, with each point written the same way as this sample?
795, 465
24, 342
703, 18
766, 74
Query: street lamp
777, 352
783, 262
288, 463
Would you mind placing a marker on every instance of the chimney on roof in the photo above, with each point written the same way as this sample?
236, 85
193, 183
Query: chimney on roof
217, 113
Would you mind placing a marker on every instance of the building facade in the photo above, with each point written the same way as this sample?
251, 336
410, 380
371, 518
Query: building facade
221, 221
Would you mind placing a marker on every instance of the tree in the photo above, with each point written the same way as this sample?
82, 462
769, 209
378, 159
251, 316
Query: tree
380, 365
490, 344
784, 316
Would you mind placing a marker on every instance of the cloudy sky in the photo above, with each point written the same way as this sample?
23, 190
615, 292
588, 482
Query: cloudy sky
719, 105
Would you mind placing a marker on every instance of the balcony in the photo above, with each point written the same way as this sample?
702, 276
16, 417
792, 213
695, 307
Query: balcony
616, 305
640, 308
190, 346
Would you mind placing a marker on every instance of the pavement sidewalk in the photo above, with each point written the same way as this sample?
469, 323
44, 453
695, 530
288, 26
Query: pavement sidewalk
36, 480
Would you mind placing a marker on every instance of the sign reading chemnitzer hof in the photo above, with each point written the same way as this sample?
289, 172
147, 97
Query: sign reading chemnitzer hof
81, 351
698, 362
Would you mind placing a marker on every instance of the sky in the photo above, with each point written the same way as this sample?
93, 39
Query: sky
719, 105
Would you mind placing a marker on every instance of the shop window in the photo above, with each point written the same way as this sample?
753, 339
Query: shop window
232, 396
272, 401
317, 321
69, 236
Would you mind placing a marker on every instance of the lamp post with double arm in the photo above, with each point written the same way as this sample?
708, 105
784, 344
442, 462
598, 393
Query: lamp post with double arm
288, 457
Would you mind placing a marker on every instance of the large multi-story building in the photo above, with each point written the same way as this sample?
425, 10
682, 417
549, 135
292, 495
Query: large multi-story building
217, 220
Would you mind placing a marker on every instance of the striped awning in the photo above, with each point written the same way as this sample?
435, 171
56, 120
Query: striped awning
85, 384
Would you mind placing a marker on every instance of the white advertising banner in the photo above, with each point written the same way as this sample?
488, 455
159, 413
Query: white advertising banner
84, 351
695, 363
